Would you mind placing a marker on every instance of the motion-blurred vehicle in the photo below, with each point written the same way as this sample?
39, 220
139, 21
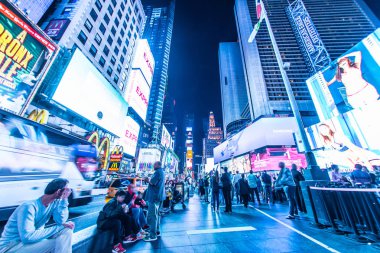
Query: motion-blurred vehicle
31, 155
122, 184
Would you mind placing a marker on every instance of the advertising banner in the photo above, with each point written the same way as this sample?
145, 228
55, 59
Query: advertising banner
25, 54
165, 138
85, 91
137, 93
351, 81
269, 158
241, 164
115, 159
147, 158
128, 140
143, 60
56, 28
170, 162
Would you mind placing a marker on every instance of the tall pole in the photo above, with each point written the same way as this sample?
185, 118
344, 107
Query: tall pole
297, 115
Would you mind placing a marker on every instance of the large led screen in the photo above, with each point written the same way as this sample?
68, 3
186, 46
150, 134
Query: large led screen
130, 136
352, 81
137, 93
143, 60
239, 164
147, 158
269, 158
25, 54
85, 91
165, 138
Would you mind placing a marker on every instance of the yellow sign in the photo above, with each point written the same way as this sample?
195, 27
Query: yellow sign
189, 154
39, 116
115, 158
103, 148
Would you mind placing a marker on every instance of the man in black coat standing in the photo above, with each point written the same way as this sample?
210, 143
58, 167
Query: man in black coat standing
227, 187
244, 190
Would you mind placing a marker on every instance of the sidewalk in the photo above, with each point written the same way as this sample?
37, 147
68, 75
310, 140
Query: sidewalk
245, 230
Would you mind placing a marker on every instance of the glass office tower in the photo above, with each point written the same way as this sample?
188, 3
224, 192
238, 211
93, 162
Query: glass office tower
158, 32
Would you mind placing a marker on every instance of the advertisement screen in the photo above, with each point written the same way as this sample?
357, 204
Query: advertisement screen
130, 136
241, 164
25, 54
269, 158
147, 158
137, 93
84, 90
165, 138
170, 162
264, 132
350, 82
143, 60
346, 97
56, 28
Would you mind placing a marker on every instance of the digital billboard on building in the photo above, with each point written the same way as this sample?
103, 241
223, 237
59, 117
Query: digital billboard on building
143, 60
346, 97
56, 28
25, 54
128, 140
137, 93
165, 138
85, 91
147, 158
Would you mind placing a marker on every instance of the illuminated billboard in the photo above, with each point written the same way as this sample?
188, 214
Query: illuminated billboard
147, 158
85, 91
350, 82
165, 138
25, 55
56, 28
128, 140
346, 97
137, 93
143, 60
241, 164
269, 158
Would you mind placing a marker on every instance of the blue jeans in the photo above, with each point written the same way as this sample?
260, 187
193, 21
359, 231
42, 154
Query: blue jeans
290, 192
139, 217
153, 217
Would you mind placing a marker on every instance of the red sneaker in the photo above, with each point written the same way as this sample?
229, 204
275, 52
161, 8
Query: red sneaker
130, 239
118, 248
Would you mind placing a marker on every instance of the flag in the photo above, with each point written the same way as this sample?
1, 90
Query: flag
260, 12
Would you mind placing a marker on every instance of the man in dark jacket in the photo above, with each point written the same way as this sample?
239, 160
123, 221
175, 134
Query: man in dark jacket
244, 190
227, 186
155, 195
298, 177
113, 217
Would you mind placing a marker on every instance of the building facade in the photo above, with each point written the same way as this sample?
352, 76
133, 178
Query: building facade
214, 136
232, 83
105, 31
341, 24
34, 9
158, 32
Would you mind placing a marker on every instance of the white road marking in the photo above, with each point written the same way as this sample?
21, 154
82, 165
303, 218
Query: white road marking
220, 230
297, 231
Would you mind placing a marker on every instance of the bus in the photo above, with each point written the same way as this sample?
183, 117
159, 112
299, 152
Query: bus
31, 155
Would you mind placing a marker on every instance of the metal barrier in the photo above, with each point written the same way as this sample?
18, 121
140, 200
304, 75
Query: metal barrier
348, 209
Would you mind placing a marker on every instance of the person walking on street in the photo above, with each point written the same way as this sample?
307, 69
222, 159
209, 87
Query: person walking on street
25, 230
154, 196
285, 179
244, 190
206, 182
298, 177
267, 182
252, 182
235, 183
227, 186
215, 191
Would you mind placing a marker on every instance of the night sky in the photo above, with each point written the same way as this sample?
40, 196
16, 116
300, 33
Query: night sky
199, 26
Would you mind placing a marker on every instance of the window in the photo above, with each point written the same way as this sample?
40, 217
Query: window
116, 50
131, 27
98, 5
106, 50
140, 18
72, 1
136, 9
124, 25
66, 10
98, 39
122, 33
121, 85
113, 30
115, 78
122, 59
110, 40
137, 29
88, 25
93, 50
110, 10
94, 15
127, 42
119, 14
109, 71
123, 76
113, 60
122, 6
102, 61
106, 19
127, 18
82, 37
117, 22
124, 50
119, 41
129, 10
118, 68
114, 3
129, 34
102, 28
133, 20
135, 36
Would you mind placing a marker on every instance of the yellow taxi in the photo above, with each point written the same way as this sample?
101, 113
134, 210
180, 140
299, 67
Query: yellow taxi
122, 184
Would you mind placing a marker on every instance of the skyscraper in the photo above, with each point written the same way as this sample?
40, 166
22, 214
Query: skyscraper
232, 83
341, 24
158, 32
106, 32
214, 136
34, 9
